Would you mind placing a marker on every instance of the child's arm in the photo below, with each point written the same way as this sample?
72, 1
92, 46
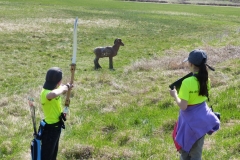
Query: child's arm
56, 92
180, 102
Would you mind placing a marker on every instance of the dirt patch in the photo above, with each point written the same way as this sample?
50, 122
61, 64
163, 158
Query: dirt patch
231, 123
173, 59
199, 2
111, 153
43, 24
209, 143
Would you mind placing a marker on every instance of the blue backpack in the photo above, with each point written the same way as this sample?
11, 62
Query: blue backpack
36, 149
36, 142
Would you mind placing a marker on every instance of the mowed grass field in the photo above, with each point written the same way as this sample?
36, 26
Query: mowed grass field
122, 114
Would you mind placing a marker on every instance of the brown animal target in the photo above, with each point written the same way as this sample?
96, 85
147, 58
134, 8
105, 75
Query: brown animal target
110, 51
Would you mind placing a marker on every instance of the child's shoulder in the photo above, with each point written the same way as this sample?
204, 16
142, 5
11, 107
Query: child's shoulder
189, 79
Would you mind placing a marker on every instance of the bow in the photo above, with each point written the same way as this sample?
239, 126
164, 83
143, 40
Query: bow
73, 67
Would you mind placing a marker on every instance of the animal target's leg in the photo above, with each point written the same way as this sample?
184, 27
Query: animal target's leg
111, 63
96, 64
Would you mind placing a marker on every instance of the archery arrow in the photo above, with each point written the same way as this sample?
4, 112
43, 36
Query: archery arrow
73, 67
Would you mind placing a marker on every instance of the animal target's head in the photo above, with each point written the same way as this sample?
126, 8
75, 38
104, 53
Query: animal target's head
119, 41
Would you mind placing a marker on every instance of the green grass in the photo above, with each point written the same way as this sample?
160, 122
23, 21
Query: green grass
122, 114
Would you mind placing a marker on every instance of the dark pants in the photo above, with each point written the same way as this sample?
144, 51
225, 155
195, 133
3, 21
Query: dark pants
195, 152
50, 141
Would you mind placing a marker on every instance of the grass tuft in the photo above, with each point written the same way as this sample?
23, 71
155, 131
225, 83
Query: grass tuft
78, 151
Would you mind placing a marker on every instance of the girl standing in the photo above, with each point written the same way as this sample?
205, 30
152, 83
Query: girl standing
195, 119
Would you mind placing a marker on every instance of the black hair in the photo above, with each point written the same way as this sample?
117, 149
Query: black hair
202, 78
